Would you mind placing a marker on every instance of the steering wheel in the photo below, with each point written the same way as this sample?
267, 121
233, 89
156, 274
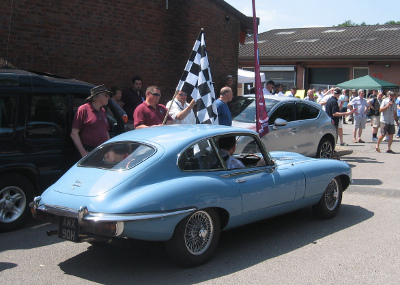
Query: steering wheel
252, 155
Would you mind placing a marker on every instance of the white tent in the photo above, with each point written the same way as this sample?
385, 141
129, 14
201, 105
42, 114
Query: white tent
245, 76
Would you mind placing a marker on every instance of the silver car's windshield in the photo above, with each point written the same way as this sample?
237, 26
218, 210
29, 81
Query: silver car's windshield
244, 109
118, 156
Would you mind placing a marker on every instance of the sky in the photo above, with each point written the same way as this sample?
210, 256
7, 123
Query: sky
286, 14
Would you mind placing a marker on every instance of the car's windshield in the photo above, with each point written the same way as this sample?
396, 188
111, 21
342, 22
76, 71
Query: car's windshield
243, 109
118, 156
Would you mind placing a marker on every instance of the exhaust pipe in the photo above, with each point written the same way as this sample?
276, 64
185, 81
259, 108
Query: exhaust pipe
52, 233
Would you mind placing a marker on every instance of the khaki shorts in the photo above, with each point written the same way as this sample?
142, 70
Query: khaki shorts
387, 129
359, 123
376, 121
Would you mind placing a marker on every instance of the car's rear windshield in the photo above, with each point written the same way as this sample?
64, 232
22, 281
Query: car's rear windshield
243, 109
118, 156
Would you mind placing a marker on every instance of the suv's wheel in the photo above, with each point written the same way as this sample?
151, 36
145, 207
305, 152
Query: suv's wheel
16, 191
325, 148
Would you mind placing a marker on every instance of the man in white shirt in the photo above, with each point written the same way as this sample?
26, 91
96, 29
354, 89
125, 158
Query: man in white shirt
293, 91
359, 116
180, 111
269, 88
278, 90
388, 114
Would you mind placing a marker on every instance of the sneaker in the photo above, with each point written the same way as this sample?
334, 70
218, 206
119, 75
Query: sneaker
361, 141
397, 136
374, 139
390, 151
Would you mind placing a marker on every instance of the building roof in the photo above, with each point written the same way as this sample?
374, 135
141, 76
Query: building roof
329, 43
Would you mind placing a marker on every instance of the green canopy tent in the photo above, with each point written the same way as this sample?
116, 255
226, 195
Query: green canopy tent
367, 82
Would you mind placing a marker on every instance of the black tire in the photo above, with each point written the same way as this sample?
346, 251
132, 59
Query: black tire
329, 204
195, 238
325, 148
16, 192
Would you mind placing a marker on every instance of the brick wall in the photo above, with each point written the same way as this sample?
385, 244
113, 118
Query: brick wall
109, 42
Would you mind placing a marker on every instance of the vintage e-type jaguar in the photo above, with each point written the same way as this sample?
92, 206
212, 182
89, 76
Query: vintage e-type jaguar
174, 184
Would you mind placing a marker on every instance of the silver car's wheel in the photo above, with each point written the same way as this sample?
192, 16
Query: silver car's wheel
195, 238
330, 202
325, 149
15, 193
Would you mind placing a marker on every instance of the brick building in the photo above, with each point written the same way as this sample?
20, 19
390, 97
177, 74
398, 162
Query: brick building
111, 41
322, 57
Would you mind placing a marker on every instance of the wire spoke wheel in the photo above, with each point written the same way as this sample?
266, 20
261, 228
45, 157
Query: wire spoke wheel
332, 195
199, 233
195, 238
329, 204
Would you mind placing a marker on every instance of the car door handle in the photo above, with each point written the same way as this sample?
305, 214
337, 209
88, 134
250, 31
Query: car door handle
294, 130
240, 180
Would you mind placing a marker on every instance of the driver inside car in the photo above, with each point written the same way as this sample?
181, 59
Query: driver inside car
227, 146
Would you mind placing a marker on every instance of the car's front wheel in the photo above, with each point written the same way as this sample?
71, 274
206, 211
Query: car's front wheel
16, 191
195, 238
325, 148
329, 204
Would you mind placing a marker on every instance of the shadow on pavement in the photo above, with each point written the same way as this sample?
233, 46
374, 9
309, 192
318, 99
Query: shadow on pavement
241, 248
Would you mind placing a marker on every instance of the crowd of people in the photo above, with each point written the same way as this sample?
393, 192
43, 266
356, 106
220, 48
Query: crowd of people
142, 109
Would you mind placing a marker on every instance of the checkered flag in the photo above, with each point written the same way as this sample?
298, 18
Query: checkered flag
196, 81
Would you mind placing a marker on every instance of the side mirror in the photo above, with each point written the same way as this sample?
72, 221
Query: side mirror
280, 122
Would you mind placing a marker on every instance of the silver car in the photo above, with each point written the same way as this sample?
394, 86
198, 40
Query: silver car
295, 125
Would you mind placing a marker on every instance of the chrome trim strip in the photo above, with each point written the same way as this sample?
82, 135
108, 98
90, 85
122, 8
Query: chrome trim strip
268, 169
104, 217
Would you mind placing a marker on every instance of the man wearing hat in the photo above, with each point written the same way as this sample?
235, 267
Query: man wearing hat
90, 125
268, 90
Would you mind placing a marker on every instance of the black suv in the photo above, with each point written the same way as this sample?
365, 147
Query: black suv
36, 113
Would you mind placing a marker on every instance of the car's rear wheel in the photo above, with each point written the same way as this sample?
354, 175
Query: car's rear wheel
325, 148
329, 204
195, 238
16, 191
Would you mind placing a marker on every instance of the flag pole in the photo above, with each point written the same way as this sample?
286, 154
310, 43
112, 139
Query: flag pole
169, 108
261, 109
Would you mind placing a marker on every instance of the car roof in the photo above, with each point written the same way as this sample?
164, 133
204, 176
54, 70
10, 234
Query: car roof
283, 98
24, 78
178, 135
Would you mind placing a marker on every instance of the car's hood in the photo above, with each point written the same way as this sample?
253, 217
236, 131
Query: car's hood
284, 157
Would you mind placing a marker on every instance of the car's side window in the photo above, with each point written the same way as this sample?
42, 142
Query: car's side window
48, 116
286, 111
199, 157
251, 155
306, 111
8, 108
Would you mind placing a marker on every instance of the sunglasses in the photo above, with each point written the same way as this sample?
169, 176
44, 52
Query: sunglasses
155, 94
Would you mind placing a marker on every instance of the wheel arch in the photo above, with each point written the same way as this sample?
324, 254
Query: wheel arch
30, 172
345, 180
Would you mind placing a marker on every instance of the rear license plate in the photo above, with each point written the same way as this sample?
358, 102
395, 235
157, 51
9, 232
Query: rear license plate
68, 229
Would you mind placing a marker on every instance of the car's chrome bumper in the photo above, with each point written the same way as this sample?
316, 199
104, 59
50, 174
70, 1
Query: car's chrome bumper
88, 220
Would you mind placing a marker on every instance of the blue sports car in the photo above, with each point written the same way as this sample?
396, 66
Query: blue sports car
183, 184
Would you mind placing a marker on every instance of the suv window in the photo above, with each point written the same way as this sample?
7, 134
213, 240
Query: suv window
48, 116
306, 111
7, 115
285, 111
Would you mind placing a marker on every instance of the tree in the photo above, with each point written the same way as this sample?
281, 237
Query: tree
349, 23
